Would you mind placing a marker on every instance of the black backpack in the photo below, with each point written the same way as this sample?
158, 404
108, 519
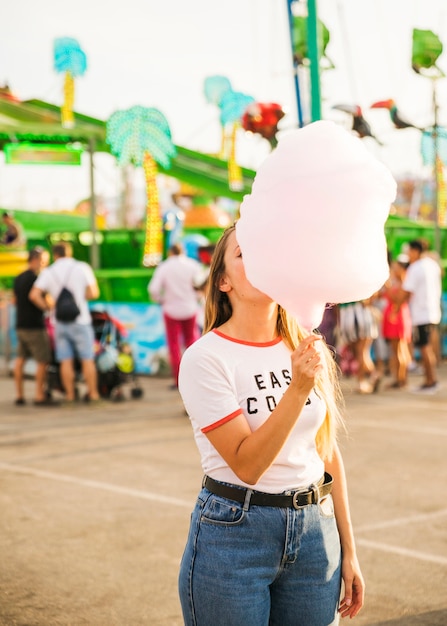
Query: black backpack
66, 309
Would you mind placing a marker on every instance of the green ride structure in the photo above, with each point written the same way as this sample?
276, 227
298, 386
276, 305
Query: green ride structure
117, 255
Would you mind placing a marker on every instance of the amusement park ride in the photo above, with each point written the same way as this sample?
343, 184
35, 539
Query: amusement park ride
123, 259
35, 131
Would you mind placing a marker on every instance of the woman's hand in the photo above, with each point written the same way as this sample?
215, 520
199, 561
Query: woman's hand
354, 584
306, 363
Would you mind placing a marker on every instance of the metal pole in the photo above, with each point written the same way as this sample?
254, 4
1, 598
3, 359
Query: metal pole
435, 138
314, 58
94, 252
295, 66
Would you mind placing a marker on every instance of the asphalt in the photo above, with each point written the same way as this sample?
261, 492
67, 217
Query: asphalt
95, 504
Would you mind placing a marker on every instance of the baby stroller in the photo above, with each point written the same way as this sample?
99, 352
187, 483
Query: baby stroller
113, 357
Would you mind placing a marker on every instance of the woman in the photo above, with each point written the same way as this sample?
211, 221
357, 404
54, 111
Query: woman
397, 326
358, 330
262, 398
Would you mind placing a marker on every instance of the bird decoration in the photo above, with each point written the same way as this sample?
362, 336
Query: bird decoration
262, 118
359, 124
398, 121
7, 94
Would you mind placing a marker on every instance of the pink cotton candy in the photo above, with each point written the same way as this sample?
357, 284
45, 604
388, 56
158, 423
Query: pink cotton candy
312, 230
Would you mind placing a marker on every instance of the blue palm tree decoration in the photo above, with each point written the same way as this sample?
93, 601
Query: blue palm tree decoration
70, 59
215, 87
232, 107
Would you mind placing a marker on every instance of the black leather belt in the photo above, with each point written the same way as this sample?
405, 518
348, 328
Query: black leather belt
295, 499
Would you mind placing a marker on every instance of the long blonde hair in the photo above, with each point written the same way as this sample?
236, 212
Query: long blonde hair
218, 310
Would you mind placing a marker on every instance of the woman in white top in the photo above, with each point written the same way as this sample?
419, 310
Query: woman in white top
270, 538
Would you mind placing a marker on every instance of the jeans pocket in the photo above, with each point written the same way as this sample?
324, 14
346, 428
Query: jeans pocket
326, 507
223, 512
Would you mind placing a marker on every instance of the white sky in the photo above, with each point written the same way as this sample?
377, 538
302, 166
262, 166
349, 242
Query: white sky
157, 53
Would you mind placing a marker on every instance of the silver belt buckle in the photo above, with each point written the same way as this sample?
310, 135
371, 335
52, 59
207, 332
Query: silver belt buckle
295, 497
313, 489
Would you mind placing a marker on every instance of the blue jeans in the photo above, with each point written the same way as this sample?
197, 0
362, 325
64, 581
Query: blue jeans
260, 566
74, 340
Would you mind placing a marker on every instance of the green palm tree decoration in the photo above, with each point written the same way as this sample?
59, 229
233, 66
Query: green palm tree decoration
70, 59
427, 48
300, 43
141, 136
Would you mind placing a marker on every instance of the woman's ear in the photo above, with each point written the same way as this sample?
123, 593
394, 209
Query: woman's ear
224, 285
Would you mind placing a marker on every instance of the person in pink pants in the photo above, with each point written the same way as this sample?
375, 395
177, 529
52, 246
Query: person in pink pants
174, 285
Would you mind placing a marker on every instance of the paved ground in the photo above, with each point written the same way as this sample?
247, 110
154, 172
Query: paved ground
95, 504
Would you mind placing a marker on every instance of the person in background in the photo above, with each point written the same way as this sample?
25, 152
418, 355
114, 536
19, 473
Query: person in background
422, 288
435, 334
72, 339
270, 537
32, 336
396, 323
358, 329
379, 346
174, 285
13, 233
328, 327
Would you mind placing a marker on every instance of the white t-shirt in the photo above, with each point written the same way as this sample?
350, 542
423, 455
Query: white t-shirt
173, 285
221, 378
423, 281
75, 276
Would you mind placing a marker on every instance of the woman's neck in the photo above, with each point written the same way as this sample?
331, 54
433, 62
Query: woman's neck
254, 327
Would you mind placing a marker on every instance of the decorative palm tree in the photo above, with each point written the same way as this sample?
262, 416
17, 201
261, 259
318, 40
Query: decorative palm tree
214, 88
141, 136
70, 59
232, 105
301, 44
232, 108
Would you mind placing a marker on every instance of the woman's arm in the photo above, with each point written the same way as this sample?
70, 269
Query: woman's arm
249, 454
354, 584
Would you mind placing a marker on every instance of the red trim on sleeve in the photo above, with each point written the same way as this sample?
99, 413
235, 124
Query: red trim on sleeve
224, 420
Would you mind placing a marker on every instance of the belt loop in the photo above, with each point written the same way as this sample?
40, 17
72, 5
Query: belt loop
247, 499
315, 493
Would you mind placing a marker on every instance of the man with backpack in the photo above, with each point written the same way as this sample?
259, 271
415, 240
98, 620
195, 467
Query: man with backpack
70, 284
